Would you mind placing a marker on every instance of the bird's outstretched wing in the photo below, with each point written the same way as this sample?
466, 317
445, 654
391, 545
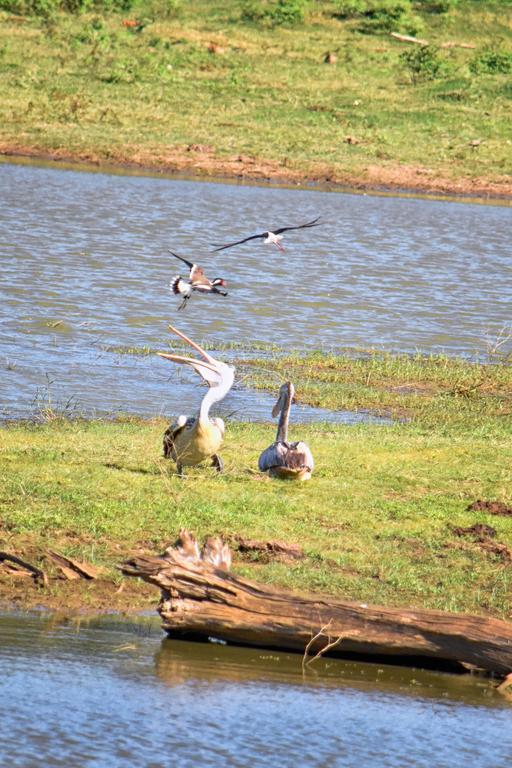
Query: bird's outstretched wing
196, 272
313, 223
238, 242
185, 261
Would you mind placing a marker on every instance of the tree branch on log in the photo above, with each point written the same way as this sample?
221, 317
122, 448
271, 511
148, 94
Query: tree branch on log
331, 644
38, 575
202, 600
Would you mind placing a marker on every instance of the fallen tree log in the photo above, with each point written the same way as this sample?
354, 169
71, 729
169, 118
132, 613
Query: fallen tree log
201, 600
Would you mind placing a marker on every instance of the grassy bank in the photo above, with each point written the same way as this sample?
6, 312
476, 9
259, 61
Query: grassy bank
435, 391
378, 522
241, 88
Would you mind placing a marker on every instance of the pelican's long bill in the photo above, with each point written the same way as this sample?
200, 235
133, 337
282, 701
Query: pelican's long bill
208, 369
193, 344
209, 372
277, 407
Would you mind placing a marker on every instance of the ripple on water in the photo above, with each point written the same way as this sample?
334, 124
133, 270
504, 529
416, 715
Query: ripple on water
113, 693
393, 273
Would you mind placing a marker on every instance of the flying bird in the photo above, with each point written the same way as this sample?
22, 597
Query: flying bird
197, 281
274, 237
289, 461
190, 440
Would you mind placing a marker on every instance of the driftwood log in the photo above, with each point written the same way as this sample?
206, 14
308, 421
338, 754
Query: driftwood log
201, 599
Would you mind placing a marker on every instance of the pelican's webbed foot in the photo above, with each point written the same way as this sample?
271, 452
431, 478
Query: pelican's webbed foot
217, 462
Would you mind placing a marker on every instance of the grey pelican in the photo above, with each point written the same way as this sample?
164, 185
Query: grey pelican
190, 440
292, 461
274, 237
197, 281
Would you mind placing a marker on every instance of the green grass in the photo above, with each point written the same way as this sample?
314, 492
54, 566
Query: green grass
375, 521
89, 86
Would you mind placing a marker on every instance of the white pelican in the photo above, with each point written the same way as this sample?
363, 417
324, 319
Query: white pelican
191, 440
291, 461
197, 281
274, 237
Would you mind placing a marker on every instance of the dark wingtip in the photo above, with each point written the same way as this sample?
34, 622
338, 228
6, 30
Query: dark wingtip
174, 284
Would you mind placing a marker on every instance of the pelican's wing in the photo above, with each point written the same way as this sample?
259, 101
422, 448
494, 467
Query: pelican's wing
172, 432
302, 455
220, 424
315, 223
238, 242
293, 456
267, 458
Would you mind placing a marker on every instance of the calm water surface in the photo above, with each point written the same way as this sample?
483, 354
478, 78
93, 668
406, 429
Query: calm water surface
109, 693
85, 274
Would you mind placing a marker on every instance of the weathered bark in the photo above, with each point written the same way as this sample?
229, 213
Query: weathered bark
201, 600
67, 564
38, 575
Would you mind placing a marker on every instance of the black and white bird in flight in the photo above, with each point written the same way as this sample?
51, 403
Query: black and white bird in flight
197, 281
270, 237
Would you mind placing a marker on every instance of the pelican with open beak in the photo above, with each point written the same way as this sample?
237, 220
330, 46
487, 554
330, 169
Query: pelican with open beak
289, 461
190, 440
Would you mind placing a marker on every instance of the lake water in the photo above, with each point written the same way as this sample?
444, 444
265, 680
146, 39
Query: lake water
85, 276
114, 693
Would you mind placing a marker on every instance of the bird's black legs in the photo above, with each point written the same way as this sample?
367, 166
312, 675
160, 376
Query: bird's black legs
217, 462
183, 303
179, 469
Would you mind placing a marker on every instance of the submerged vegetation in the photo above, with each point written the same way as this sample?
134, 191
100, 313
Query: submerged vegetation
435, 390
385, 519
263, 87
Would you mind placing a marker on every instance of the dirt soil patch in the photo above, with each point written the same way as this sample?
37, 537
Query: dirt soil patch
483, 537
491, 508
201, 160
265, 551
22, 586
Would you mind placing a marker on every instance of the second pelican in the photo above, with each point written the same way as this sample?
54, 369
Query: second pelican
291, 461
190, 440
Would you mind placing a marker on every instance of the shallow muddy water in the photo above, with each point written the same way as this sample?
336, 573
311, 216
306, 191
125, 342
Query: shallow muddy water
113, 693
85, 276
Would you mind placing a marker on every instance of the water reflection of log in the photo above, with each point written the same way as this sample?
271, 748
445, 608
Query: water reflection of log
200, 600
204, 664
